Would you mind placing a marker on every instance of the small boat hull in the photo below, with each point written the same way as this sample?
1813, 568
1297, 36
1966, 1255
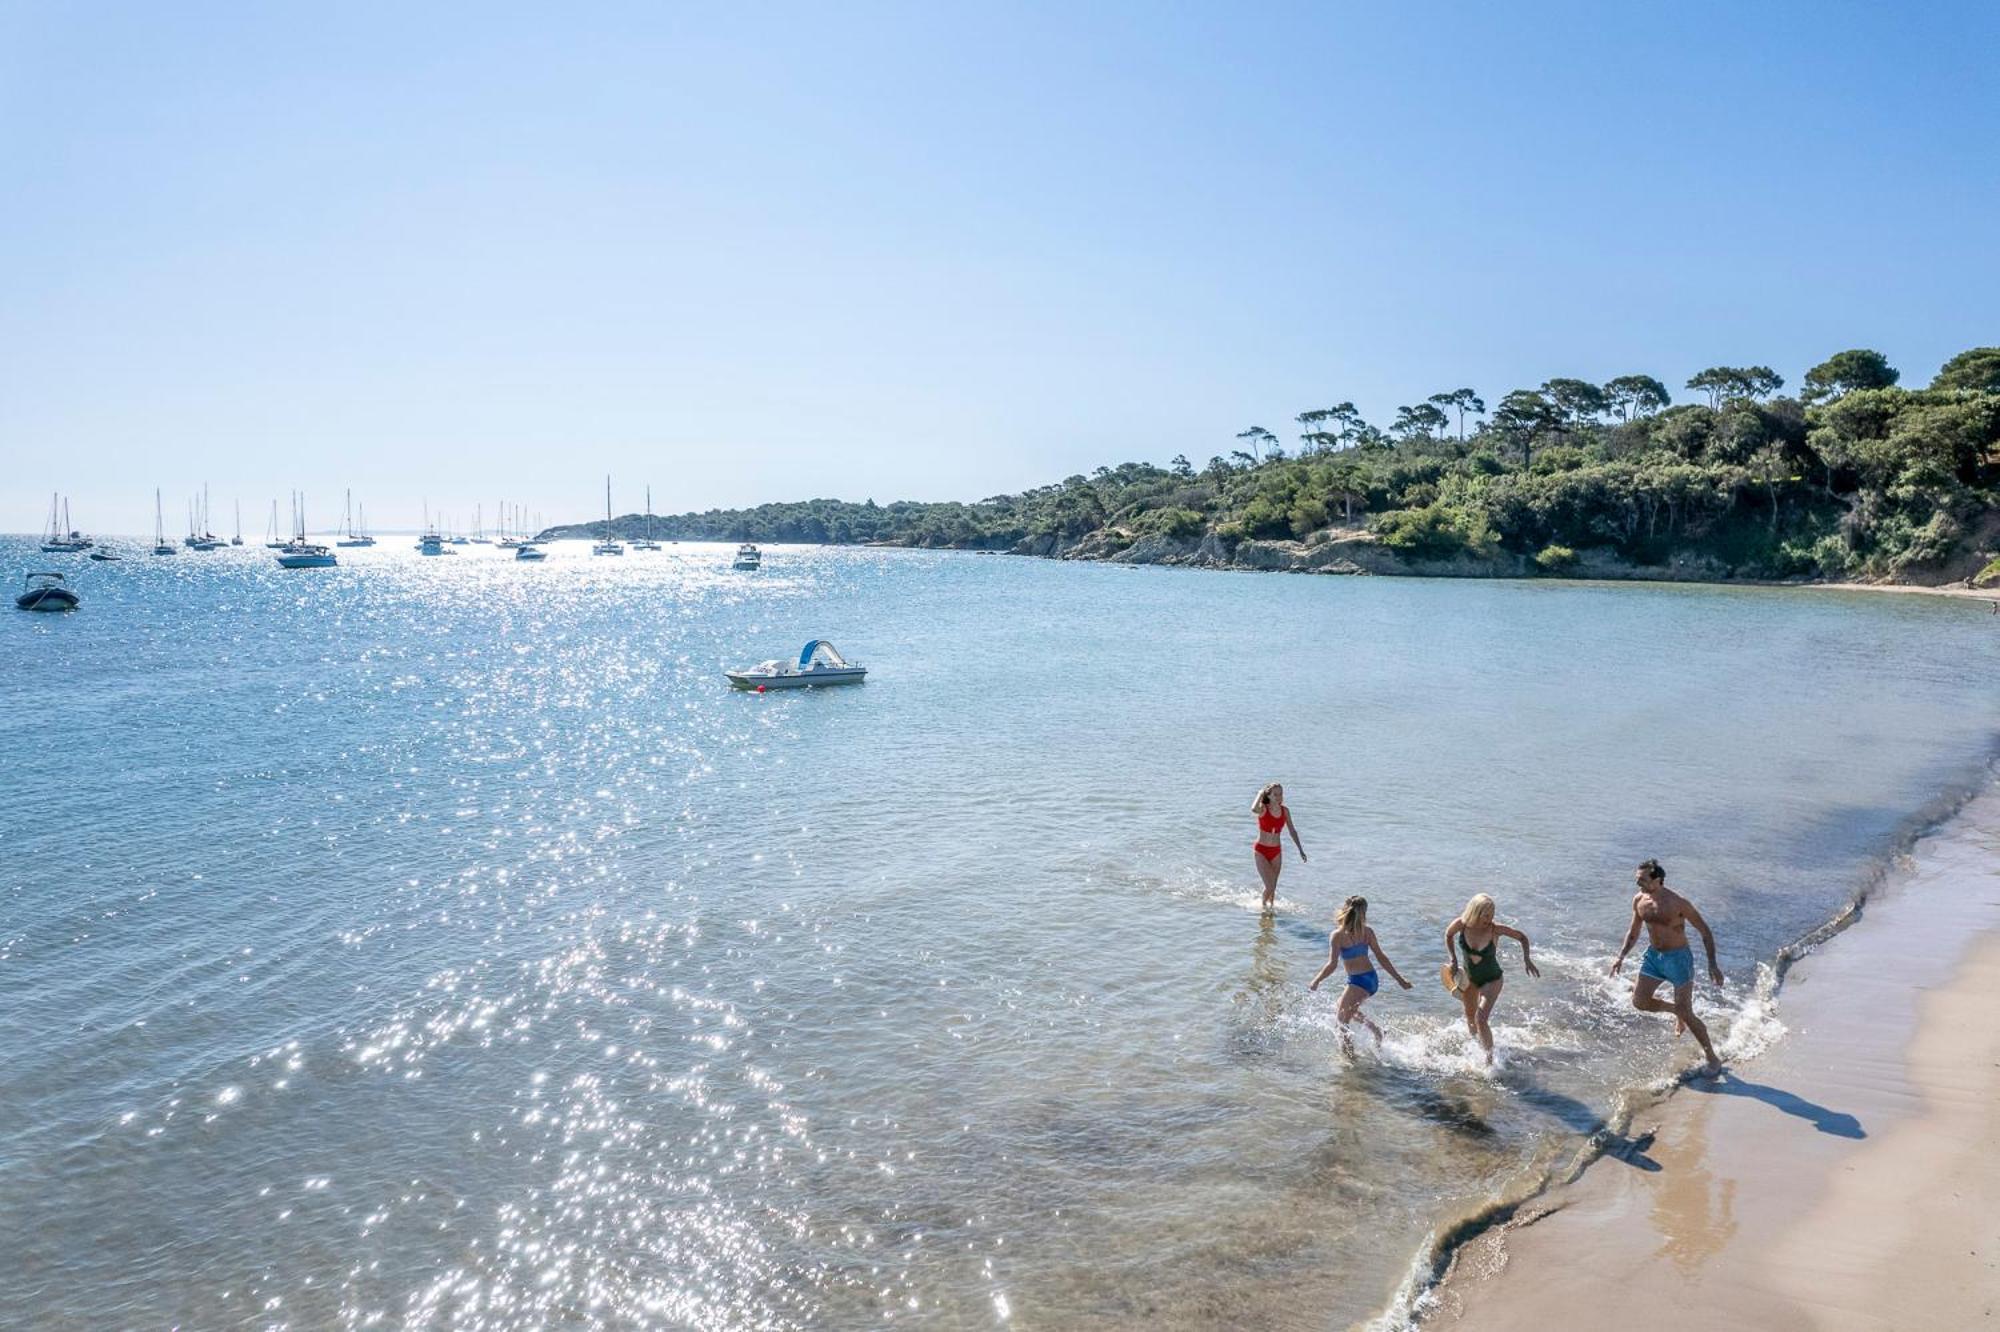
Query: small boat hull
797, 679
318, 559
530, 554
48, 599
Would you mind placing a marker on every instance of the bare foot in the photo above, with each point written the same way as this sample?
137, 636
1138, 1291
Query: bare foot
1711, 1069
1680, 1026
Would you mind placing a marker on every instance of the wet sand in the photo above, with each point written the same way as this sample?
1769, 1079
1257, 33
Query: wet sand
1848, 1178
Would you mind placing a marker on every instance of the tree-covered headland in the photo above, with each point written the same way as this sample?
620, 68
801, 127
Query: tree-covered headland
1854, 476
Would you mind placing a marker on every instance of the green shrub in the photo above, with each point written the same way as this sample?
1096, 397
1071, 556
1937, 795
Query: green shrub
1173, 521
1308, 515
1267, 517
1555, 559
1830, 557
1434, 532
1989, 576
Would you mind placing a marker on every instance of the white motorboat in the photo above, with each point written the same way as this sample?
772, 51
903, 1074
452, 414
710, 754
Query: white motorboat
748, 557
528, 550
106, 555
299, 553
47, 592
432, 542
306, 555
818, 664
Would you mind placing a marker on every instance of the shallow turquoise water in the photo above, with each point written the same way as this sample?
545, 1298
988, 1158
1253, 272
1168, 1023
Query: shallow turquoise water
442, 944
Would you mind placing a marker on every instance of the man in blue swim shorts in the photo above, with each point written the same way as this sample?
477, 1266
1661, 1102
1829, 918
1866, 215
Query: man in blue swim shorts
1666, 916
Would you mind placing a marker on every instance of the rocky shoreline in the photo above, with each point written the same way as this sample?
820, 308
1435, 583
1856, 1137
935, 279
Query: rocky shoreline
1356, 551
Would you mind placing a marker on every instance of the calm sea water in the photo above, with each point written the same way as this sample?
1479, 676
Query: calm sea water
442, 944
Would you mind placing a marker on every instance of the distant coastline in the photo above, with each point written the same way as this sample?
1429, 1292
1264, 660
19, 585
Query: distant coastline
1975, 570
1855, 480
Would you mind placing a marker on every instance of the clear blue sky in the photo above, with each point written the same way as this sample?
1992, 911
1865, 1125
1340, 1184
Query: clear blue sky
775, 251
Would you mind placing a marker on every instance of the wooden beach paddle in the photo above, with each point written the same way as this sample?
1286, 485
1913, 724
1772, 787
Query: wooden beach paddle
1452, 977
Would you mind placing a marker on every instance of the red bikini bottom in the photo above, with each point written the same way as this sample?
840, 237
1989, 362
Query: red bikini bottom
1268, 852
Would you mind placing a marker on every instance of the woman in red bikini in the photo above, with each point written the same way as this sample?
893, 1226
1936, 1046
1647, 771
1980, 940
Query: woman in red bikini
1272, 818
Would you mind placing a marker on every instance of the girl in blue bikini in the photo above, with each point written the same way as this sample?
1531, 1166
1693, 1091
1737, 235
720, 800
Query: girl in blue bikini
1349, 946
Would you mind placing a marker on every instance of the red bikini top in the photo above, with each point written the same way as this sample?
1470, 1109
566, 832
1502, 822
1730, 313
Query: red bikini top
1273, 822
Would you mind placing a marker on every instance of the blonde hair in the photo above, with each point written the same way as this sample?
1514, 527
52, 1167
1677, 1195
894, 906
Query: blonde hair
1353, 914
1261, 803
1479, 911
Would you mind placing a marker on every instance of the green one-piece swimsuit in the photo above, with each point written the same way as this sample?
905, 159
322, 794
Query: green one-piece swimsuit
1482, 966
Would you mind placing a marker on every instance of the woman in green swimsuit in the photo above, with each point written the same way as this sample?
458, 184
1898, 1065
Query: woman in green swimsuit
1477, 982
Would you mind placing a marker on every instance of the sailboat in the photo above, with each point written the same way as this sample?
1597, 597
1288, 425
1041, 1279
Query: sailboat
646, 542
161, 546
350, 537
298, 553
271, 539
203, 538
62, 536
237, 540
479, 537
608, 546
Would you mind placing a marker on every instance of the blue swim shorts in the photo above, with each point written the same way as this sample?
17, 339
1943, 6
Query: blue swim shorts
1366, 981
1675, 966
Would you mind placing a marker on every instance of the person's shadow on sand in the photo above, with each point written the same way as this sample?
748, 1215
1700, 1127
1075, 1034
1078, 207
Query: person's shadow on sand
1838, 1123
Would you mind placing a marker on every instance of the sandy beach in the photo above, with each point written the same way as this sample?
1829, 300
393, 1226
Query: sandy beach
1842, 1179
1987, 594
